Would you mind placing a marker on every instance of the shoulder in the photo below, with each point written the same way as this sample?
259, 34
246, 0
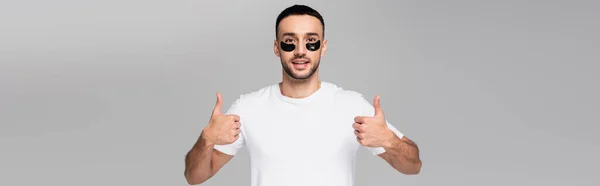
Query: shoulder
254, 97
344, 95
351, 100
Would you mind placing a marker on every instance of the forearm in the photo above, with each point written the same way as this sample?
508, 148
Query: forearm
404, 155
198, 162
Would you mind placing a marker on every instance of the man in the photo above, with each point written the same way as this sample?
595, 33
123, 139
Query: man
301, 131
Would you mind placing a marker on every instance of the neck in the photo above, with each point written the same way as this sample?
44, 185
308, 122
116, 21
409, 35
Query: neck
295, 88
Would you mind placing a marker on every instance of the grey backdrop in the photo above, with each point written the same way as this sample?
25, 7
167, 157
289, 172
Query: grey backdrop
115, 92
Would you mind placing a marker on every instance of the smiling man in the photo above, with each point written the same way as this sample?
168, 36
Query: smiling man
300, 131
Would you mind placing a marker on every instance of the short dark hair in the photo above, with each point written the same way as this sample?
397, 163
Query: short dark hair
298, 10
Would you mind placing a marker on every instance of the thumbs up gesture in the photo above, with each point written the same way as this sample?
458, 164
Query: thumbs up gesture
222, 129
372, 131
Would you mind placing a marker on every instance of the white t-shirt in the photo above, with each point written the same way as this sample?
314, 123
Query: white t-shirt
299, 142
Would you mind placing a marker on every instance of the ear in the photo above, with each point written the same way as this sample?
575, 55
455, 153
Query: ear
276, 48
324, 49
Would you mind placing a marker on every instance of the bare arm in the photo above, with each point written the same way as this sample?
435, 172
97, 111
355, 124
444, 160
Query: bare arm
403, 155
203, 161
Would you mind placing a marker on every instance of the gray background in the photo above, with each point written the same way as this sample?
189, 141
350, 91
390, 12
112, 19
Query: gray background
115, 92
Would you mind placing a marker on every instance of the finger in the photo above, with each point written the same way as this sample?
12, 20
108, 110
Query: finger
360, 141
377, 106
234, 117
357, 134
237, 125
357, 127
218, 105
360, 119
235, 132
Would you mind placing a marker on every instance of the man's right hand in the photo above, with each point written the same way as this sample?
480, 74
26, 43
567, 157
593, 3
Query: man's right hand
222, 129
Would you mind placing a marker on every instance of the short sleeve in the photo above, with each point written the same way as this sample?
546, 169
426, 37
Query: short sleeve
233, 148
369, 110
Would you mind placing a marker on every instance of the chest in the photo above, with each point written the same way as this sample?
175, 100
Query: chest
316, 133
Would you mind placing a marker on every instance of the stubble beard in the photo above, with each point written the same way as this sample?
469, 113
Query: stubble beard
290, 72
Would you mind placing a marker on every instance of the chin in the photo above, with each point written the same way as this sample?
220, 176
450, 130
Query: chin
301, 77
305, 74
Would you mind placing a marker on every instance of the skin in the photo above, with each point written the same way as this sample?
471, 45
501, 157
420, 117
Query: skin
372, 131
300, 29
202, 161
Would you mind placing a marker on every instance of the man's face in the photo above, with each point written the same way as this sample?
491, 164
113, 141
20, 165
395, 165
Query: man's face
300, 45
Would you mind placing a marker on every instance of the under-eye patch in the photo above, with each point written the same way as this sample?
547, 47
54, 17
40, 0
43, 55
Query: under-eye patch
287, 47
291, 47
313, 46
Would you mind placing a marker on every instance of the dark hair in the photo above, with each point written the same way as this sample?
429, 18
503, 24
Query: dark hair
298, 10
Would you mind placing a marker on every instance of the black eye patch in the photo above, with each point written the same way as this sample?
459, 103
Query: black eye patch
313, 46
291, 47
287, 47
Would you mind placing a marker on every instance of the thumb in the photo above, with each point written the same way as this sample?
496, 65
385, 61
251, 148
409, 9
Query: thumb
218, 105
377, 106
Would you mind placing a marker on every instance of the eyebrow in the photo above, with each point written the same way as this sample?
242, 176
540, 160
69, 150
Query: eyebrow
307, 34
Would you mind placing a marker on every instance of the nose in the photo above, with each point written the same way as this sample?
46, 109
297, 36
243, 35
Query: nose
300, 49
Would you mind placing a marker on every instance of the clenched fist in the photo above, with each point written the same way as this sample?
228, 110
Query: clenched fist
222, 129
373, 131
